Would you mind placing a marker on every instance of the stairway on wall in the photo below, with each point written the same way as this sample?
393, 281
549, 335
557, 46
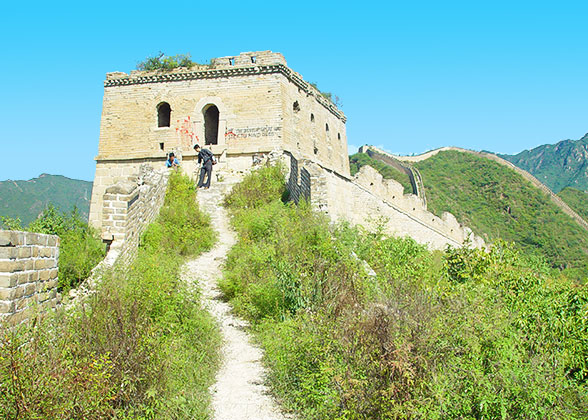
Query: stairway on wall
239, 391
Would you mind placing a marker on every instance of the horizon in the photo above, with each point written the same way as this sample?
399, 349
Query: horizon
502, 77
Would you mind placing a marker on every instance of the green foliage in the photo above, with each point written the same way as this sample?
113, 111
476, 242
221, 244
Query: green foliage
181, 225
163, 62
257, 189
358, 160
139, 347
26, 200
460, 334
80, 248
328, 95
498, 203
577, 200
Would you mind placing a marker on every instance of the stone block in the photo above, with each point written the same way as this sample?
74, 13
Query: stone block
8, 266
25, 252
52, 240
7, 294
46, 252
29, 264
44, 275
8, 280
6, 307
8, 252
53, 273
26, 277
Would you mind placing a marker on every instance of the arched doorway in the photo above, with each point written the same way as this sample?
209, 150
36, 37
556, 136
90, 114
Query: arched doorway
211, 125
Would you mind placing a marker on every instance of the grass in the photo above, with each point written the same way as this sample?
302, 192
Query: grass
436, 335
140, 347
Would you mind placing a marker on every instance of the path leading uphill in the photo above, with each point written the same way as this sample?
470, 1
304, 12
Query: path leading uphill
239, 391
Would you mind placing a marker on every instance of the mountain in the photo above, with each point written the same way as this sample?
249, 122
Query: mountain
560, 165
27, 199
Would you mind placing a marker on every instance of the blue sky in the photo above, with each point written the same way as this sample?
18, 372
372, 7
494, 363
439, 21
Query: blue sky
412, 76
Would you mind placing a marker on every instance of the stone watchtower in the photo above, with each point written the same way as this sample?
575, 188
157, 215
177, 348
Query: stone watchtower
238, 106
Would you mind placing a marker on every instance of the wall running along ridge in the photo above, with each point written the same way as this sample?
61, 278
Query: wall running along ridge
28, 274
554, 197
369, 200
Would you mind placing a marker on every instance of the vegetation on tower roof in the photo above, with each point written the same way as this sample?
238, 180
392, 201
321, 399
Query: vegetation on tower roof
163, 62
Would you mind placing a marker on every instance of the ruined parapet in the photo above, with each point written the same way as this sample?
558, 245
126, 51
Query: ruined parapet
129, 206
413, 174
28, 274
369, 200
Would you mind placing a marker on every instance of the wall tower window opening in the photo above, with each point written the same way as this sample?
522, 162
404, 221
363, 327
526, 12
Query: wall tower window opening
311, 117
231, 61
163, 114
338, 136
211, 115
253, 59
296, 106
327, 128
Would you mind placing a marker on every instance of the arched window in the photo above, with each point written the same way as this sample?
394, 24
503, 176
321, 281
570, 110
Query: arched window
163, 114
296, 106
311, 117
211, 124
327, 128
338, 136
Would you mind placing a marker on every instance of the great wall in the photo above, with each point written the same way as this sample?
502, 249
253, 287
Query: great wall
248, 109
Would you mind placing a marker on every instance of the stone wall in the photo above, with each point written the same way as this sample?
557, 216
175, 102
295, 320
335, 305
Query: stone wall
367, 199
129, 206
263, 105
28, 274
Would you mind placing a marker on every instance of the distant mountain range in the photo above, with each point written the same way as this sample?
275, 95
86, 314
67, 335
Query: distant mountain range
560, 165
27, 199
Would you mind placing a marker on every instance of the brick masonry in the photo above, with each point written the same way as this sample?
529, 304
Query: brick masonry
28, 274
368, 200
263, 106
129, 206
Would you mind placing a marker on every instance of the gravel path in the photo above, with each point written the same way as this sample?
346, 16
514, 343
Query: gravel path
239, 391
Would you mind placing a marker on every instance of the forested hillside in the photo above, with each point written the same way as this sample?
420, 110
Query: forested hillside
577, 200
560, 165
27, 199
498, 203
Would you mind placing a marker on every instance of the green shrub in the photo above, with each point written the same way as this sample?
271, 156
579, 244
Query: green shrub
445, 335
163, 62
80, 247
140, 347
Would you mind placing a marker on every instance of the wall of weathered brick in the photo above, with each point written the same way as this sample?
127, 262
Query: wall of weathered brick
28, 274
129, 206
255, 93
367, 199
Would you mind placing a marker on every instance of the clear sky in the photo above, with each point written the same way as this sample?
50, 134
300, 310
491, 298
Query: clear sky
412, 76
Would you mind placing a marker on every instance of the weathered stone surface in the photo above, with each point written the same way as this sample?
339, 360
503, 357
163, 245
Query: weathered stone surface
122, 187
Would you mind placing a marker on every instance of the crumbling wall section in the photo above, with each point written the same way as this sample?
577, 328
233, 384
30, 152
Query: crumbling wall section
129, 206
28, 274
369, 200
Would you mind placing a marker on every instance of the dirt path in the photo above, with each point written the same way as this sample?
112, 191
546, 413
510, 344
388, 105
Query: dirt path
239, 392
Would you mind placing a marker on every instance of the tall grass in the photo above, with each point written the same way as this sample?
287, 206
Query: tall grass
461, 334
140, 347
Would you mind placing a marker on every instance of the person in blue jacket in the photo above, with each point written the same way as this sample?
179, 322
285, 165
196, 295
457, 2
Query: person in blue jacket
171, 161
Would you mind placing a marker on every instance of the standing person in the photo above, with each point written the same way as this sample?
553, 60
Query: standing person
171, 161
205, 157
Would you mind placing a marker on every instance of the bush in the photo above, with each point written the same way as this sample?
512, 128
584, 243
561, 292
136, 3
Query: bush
459, 334
163, 62
140, 347
80, 247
